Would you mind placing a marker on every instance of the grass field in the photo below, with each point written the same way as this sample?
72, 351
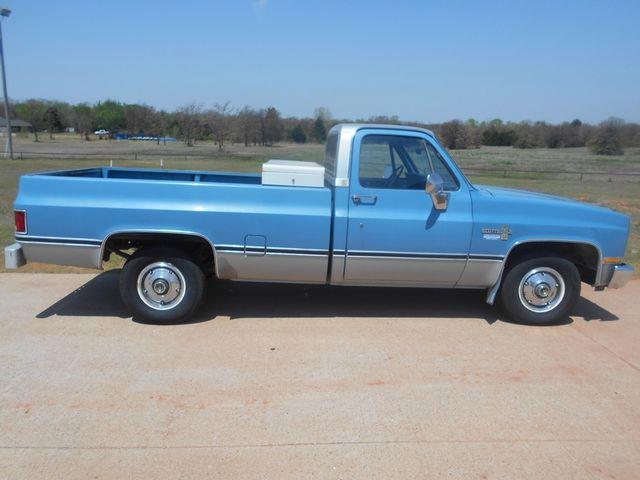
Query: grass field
622, 194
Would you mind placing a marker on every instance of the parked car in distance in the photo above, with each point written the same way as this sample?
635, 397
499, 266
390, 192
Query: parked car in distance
101, 133
389, 207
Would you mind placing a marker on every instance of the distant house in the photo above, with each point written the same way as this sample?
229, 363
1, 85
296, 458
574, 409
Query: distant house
17, 125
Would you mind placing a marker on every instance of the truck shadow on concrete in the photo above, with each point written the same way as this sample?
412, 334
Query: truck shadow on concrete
100, 297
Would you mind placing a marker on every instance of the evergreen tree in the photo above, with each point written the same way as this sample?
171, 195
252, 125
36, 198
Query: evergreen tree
298, 135
319, 131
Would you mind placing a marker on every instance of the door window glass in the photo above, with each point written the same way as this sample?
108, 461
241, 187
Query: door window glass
391, 161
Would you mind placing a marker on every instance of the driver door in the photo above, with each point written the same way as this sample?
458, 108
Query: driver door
395, 235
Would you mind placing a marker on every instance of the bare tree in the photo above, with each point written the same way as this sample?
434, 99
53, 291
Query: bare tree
189, 122
139, 118
158, 124
248, 125
219, 120
322, 112
33, 111
455, 134
82, 119
271, 126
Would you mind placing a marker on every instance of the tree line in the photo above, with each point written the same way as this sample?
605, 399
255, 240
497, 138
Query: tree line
224, 123
609, 137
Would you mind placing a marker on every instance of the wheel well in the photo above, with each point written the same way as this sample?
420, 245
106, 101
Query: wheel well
583, 255
197, 247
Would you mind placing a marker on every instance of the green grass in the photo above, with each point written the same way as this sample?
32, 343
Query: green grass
623, 196
549, 159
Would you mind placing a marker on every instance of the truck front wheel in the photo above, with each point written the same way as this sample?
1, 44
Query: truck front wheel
540, 290
161, 285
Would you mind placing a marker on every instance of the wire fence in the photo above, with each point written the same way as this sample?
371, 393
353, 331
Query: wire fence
582, 175
122, 156
160, 159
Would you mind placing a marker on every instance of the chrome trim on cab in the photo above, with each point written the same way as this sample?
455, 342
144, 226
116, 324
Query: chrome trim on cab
346, 133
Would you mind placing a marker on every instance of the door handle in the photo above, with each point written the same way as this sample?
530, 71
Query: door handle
364, 199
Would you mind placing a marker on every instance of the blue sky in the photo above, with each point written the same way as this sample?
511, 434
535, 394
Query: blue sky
422, 60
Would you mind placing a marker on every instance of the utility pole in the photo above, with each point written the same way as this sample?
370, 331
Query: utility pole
5, 12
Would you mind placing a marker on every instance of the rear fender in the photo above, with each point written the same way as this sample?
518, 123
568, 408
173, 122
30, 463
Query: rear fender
160, 233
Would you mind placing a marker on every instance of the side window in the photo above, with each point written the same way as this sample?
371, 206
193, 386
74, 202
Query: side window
401, 163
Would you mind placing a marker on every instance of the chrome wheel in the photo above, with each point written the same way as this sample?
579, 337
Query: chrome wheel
541, 289
161, 285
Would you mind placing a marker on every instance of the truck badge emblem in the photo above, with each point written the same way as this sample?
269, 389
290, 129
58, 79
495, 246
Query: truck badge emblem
497, 233
505, 232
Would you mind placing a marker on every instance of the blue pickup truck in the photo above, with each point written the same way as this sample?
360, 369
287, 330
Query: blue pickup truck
389, 207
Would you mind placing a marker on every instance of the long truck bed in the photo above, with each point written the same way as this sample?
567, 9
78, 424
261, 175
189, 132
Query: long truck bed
256, 230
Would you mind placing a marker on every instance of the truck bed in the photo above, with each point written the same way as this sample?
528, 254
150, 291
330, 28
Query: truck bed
259, 232
158, 175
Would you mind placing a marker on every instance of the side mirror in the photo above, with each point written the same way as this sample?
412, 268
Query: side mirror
435, 189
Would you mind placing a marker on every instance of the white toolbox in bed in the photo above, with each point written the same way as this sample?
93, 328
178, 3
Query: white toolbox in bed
292, 173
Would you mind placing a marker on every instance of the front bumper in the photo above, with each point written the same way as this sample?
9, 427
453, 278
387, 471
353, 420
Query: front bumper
622, 273
14, 256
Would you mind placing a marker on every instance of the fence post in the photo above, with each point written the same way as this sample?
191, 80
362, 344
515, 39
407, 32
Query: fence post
504, 174
135, 156
581, 174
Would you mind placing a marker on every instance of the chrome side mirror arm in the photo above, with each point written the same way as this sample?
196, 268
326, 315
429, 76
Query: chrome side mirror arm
434, 187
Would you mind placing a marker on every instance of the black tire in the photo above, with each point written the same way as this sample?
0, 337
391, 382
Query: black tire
529, 280
170, 269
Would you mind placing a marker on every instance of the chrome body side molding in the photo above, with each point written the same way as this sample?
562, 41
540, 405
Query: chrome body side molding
287, 265
74, 252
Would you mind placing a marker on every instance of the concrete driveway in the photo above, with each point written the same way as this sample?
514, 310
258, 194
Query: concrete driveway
282, 382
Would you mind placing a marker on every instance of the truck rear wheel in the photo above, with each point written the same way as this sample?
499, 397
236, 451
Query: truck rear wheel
540, 290
161, 285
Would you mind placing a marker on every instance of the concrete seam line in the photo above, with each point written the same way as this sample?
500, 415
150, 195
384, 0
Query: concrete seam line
316, 444
607, 349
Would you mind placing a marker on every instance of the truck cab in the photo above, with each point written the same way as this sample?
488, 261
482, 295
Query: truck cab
387, 230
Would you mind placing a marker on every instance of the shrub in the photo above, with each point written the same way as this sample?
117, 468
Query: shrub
607, 139
455, 135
